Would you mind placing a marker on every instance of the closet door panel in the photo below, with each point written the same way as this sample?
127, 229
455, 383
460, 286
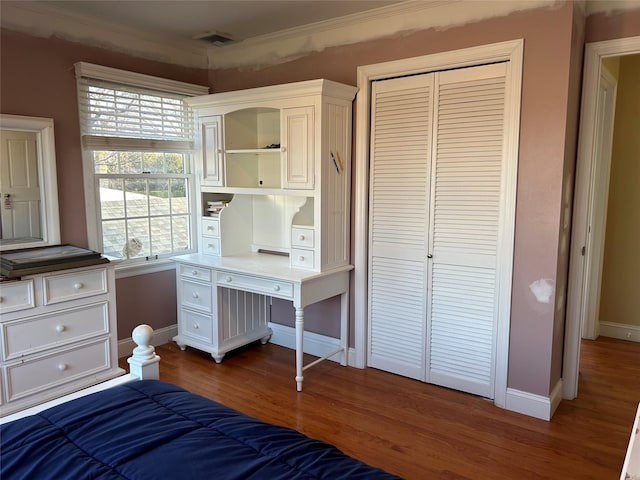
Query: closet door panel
398, 240
465, 225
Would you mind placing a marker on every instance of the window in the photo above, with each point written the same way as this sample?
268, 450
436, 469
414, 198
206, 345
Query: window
137, 136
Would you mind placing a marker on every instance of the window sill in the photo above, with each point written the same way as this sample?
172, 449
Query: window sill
125, 269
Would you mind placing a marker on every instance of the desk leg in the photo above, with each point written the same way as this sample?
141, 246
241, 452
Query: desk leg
299, 347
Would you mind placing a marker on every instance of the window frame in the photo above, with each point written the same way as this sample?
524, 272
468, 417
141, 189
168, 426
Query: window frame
91, 180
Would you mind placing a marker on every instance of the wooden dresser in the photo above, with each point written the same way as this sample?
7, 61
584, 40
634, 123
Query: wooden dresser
58, 334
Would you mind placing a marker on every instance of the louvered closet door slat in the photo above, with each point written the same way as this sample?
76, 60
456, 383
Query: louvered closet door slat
466, 202
399, 195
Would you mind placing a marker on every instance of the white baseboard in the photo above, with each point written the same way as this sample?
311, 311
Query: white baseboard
620, 330
160, 337
314, 343
537, 406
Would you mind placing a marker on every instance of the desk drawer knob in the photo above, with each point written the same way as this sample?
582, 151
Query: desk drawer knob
210, 227
276, 288
60, 328
78, 285
62, 367
228, 279
196, 326
194, 273
301, 237
195, 294
301, 258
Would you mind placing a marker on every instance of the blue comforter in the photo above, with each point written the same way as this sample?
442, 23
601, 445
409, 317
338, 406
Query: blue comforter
154, 430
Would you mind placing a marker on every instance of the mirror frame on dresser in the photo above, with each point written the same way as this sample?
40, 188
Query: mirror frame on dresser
49, 213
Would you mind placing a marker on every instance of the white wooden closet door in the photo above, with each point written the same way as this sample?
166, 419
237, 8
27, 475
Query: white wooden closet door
465, 225
399, 195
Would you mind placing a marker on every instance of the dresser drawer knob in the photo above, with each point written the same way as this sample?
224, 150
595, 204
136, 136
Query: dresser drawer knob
195, 294
301, 258
196, 326
62, 367
276, 288
301, 237
209, 227
228, 279
210, 245
194, 273
60, 328
78, 285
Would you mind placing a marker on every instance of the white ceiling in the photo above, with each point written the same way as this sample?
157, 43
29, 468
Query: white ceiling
241, 19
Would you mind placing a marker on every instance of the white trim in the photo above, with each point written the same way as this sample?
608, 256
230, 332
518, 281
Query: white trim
99, 72
620, 330
133, 268
160, 337
511, 51
314, 343
533, 405
594, 53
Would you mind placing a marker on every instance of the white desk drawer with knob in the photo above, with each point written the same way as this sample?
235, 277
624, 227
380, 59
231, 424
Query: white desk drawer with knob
266, 286
210, 227
302, 237
196, 325
194, 273
195, 295
302, 258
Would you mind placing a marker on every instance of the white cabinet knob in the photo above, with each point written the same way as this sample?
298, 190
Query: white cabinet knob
209, 227
78, 286
195, 294
194, 273
209, 245
283, 149
301, 258
196, 326
276, 288
300, 237
229, 279
62, 367
60, 328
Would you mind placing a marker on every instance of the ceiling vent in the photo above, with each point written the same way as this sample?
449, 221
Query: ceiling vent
215, 38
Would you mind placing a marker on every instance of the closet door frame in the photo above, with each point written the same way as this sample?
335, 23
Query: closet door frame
511, 51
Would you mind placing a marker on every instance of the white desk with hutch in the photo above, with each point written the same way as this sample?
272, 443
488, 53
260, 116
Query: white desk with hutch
274, 193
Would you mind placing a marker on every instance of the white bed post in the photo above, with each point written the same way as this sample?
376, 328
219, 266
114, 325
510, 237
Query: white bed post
144, 361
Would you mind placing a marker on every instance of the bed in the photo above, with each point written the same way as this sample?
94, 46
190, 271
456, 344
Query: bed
149, 429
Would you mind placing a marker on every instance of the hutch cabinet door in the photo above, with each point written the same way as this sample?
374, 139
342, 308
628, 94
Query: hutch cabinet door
297, 148
212, 172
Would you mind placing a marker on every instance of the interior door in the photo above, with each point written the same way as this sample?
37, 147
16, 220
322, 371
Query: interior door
436, 200
19, 185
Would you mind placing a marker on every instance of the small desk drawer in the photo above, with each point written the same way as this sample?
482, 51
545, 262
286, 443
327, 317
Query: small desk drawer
266, 286
301, 258
196, 325
196, 273
302, 237
48, 331
16, 296
211, 226
210, 245
195, 295
71, 286
26, 378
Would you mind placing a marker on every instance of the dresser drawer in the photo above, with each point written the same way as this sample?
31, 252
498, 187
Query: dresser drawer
196, 273
302, 237
48, 331
301, 258
249, 283
195, 295
43, 373
71, 286
210, 246
211, 227
16, 296
196, 325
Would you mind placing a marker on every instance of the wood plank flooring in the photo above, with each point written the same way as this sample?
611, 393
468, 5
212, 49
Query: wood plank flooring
420, 431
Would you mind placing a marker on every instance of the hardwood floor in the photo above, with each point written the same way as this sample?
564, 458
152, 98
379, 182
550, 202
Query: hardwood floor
420, 431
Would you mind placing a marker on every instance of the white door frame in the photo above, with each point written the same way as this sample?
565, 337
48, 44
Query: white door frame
511, 51
583, 206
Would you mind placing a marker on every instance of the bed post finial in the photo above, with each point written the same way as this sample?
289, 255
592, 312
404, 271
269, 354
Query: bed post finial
144, 361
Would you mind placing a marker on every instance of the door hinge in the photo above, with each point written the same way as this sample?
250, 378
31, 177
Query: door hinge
583, 250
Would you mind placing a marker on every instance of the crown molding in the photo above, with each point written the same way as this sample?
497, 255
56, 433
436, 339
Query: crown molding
42, 19
393, 20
